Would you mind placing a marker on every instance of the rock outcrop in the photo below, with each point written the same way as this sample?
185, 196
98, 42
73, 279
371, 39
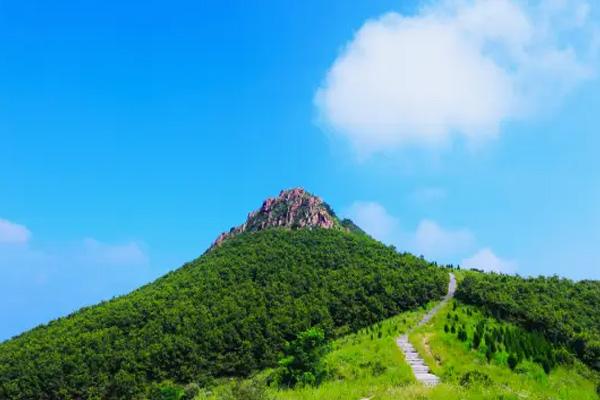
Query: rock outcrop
292, 209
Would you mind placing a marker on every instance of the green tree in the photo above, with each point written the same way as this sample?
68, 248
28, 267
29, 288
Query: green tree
476, 339
166, 390
302, 363
512, 360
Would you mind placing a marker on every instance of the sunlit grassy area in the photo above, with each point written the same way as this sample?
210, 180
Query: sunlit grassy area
368, 364
454, 361
364, 364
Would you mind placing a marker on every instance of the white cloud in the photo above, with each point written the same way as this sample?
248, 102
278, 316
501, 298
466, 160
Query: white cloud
429, 238
486, 260
130, 253
11, 233
373, 218
436, 242
462, 67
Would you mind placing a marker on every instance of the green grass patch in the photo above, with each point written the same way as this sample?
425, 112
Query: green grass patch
368, 364
464, 368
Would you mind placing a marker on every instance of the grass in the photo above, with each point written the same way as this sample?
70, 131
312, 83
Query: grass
362, 365
452, 359
368, 364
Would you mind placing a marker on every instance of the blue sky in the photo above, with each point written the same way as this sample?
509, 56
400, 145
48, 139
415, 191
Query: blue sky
133, 133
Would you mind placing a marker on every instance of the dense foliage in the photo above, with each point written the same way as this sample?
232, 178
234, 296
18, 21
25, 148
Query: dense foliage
302, 359
566, 313
228, 313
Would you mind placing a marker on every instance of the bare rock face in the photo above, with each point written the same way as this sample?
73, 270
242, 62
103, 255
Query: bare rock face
292, 209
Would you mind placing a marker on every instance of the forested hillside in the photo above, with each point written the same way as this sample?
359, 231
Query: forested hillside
567, 313
228, 313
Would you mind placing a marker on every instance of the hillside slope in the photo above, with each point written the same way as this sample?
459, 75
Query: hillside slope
566, 313
369, 365
228, 313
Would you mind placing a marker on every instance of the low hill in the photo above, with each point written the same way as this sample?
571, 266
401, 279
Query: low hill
566, 313
227, 313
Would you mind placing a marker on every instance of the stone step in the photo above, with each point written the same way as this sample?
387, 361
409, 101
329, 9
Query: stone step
414, 360
428, 379
416, 363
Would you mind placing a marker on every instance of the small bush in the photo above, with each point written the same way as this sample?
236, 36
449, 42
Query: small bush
166, 390
190, 391
476, 339
475, 378
489, 354
512, 361
563, 356
378, 368
252, 389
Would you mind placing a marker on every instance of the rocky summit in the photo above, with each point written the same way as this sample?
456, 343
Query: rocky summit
293, 209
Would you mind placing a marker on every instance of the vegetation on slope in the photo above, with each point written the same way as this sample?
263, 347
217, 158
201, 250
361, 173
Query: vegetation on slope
358, 365
228, 313
469, 370
368, 364
567, 313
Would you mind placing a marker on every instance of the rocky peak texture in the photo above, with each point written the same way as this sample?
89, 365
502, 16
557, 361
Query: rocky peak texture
292, 209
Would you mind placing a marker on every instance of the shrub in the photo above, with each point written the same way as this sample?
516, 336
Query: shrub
378, 368
302, 363
474, 377
190, 391
489, 354
563, 356
166, 390
512, 361
476, 339
251, 389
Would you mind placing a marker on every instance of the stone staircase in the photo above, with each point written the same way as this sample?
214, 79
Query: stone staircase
419, 368
417, 364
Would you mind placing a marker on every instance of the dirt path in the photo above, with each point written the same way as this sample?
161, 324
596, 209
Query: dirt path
416, 362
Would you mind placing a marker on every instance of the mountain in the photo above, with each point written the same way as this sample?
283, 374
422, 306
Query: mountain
291, 266
293, 209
